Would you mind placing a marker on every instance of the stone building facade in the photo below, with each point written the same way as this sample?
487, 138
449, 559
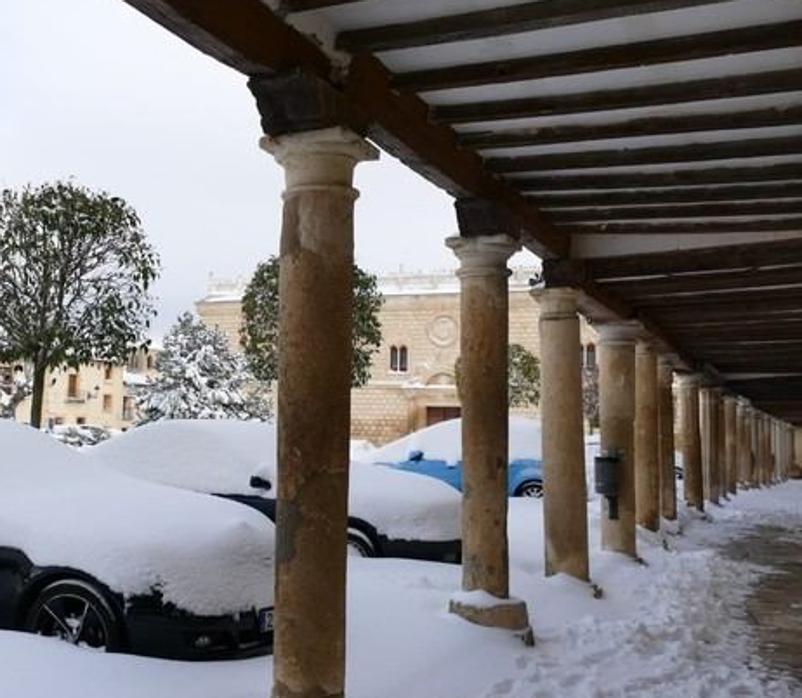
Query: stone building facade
96, 394
412, 382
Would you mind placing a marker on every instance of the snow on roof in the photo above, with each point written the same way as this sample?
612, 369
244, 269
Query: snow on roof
443, 441
204, 554
220, 456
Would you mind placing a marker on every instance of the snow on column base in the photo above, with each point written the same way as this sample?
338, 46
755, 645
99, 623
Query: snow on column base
482, 608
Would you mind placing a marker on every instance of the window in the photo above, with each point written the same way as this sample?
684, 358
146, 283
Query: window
80, 421
128, 409
107, 403
399, 359
590, 356
72, 386
107, 371
150, 361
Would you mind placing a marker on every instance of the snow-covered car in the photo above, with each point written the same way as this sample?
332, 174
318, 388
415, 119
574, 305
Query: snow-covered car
390, 513
436, 451
80, 434
107, 561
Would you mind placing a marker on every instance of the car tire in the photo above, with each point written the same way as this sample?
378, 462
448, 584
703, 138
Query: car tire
76, 612
360, 544
530, 488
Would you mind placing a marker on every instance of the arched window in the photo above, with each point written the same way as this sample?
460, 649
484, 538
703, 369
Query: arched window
399, 359
590, 356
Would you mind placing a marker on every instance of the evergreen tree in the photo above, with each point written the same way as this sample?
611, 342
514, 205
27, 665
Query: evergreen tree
590, 395
75, 269
259, 334
523, 376
199, 377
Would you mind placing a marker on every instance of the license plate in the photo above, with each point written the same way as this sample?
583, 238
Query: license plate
266, 620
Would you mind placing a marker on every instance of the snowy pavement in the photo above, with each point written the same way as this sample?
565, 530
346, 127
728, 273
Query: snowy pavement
671, 627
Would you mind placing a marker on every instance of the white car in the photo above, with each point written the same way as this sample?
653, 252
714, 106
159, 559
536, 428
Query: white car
108, 561
390, 513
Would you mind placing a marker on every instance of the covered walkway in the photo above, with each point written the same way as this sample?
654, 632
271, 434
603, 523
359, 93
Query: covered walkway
649, 151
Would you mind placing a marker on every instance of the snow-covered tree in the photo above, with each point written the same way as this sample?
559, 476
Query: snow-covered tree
199, 377
13, 390
590, 395
75, 269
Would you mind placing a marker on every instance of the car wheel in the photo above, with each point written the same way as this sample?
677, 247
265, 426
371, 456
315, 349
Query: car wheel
360, 544
76, 612
531, 488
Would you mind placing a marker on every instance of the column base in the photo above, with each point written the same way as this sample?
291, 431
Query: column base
482, 608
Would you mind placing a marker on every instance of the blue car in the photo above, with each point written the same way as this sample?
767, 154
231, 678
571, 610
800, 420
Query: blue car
435, 451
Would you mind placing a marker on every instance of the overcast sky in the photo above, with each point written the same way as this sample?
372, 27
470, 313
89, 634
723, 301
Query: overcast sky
92, 89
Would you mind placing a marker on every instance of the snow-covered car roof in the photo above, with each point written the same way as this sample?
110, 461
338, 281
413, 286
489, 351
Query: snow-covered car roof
206, 555
443, 441
220, 456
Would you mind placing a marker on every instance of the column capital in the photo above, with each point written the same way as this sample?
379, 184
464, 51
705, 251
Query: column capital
556, 303
689, 380
623, 332
667, 361
323, 158
485, 255
728, 397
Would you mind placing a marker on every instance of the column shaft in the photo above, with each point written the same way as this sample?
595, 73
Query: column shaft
315, 289
647, 474
691, 441
617, 412
565, 495
665, 420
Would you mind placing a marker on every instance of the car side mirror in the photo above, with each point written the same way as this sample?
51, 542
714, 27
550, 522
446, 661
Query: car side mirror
415, 456
259, 483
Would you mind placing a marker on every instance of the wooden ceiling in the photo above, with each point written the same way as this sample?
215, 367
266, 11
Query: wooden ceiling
667, 133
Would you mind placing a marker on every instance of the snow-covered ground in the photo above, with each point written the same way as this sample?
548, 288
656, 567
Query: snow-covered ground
662, 629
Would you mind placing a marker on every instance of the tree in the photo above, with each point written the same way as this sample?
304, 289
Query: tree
523, 377
199, 377
259, 333
75, 269
13, 392
590, 395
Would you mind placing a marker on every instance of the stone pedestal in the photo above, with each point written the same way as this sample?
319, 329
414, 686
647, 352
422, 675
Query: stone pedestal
315, 287
565, 496
647, 475
617, 412
691, 442
483, 391
665, 438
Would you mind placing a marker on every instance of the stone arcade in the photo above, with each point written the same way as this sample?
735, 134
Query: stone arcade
684, 251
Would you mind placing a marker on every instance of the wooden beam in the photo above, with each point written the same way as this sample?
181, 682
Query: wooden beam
746, 256
707, 227
500, 21
639, 289
640, 180
288, 6
707, 210
763, 37
623, 98
692, 152
250, 38
790, 308
695, 195
739, 298
649, 126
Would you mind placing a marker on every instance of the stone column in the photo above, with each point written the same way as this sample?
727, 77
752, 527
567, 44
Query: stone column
708, 397
484, 325
665, 429
315, 288
721, 445
565, 496
617, 412
730, 444
742, 453
705, 437
754, 446
647, 474
691, 441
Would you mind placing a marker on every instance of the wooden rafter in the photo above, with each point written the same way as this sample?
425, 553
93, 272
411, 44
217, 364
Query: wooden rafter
625, 98
683, 227
633, 128
498, 21
706, 210
594, 60
693, 152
